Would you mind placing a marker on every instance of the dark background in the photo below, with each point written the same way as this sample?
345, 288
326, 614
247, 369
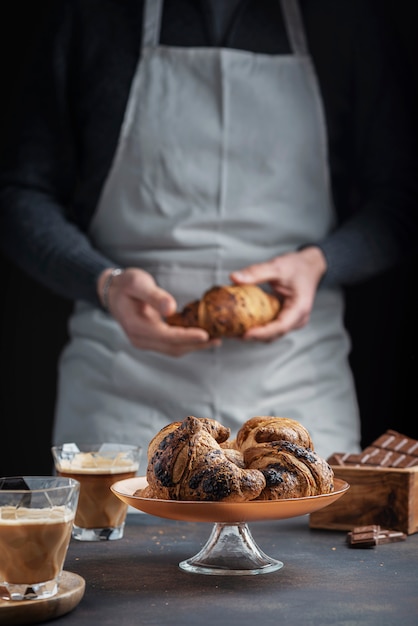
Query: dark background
381, 314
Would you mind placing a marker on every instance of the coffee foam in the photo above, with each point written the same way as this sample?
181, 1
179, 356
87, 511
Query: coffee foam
12, 516
93, 463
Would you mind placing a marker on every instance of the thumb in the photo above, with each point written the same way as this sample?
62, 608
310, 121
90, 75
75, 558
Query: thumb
162, 301
259, 273
144, 287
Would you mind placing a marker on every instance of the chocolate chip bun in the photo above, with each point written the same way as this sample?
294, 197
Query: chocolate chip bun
228, 311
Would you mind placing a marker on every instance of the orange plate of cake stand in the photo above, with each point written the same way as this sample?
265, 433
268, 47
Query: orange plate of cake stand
230, 549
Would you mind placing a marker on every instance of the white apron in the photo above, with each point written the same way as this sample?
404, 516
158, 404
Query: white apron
221, 163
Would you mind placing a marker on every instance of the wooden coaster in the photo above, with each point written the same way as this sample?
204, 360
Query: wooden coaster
70, 591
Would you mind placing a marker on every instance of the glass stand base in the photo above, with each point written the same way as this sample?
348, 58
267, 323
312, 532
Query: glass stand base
230, 551
98, 534
37, 591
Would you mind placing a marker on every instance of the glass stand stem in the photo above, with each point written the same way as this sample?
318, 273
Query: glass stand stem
230, 550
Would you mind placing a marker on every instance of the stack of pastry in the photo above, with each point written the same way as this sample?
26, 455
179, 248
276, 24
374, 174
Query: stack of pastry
271, 458
228, 311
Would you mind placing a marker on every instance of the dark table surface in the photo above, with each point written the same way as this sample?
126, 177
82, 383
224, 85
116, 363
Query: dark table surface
137, 579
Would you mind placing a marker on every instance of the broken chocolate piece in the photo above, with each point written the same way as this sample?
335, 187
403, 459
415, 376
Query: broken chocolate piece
364, 536
390, 536
373, 535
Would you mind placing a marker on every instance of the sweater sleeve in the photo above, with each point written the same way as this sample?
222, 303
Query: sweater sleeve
38, 231
380, 231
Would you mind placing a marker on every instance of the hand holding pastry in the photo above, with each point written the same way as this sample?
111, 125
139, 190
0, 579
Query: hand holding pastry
139, 305
294, 277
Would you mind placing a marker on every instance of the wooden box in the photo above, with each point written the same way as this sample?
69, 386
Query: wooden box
386, 496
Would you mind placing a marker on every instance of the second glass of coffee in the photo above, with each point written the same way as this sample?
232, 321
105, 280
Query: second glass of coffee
100, 514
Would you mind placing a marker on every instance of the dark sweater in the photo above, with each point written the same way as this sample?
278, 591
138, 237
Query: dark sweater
63, 136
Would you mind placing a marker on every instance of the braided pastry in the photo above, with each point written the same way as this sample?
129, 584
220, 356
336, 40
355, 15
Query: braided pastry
228, 311
189, 464
290, 470
219, 432
261, 429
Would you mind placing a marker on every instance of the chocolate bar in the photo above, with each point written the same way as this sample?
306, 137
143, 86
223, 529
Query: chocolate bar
344, 458
373, 455
373, 535
392, 440
392, 449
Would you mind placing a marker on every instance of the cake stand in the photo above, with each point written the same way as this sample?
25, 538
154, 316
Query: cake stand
230, 549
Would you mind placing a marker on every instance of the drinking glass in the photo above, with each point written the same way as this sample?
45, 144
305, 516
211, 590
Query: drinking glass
100, 515
36, 520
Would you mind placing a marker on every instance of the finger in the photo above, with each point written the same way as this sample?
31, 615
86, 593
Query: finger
150, 328
288, 320
266, 333
183, 349
258, 273
190, 335
176, 348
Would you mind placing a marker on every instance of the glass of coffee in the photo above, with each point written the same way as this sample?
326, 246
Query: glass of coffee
36, 519
100, 514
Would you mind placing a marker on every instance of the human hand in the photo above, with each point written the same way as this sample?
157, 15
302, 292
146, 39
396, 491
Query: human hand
294, 277
139, 305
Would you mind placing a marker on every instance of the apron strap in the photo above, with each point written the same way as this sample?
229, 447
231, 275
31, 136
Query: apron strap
294, 26
151, 23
